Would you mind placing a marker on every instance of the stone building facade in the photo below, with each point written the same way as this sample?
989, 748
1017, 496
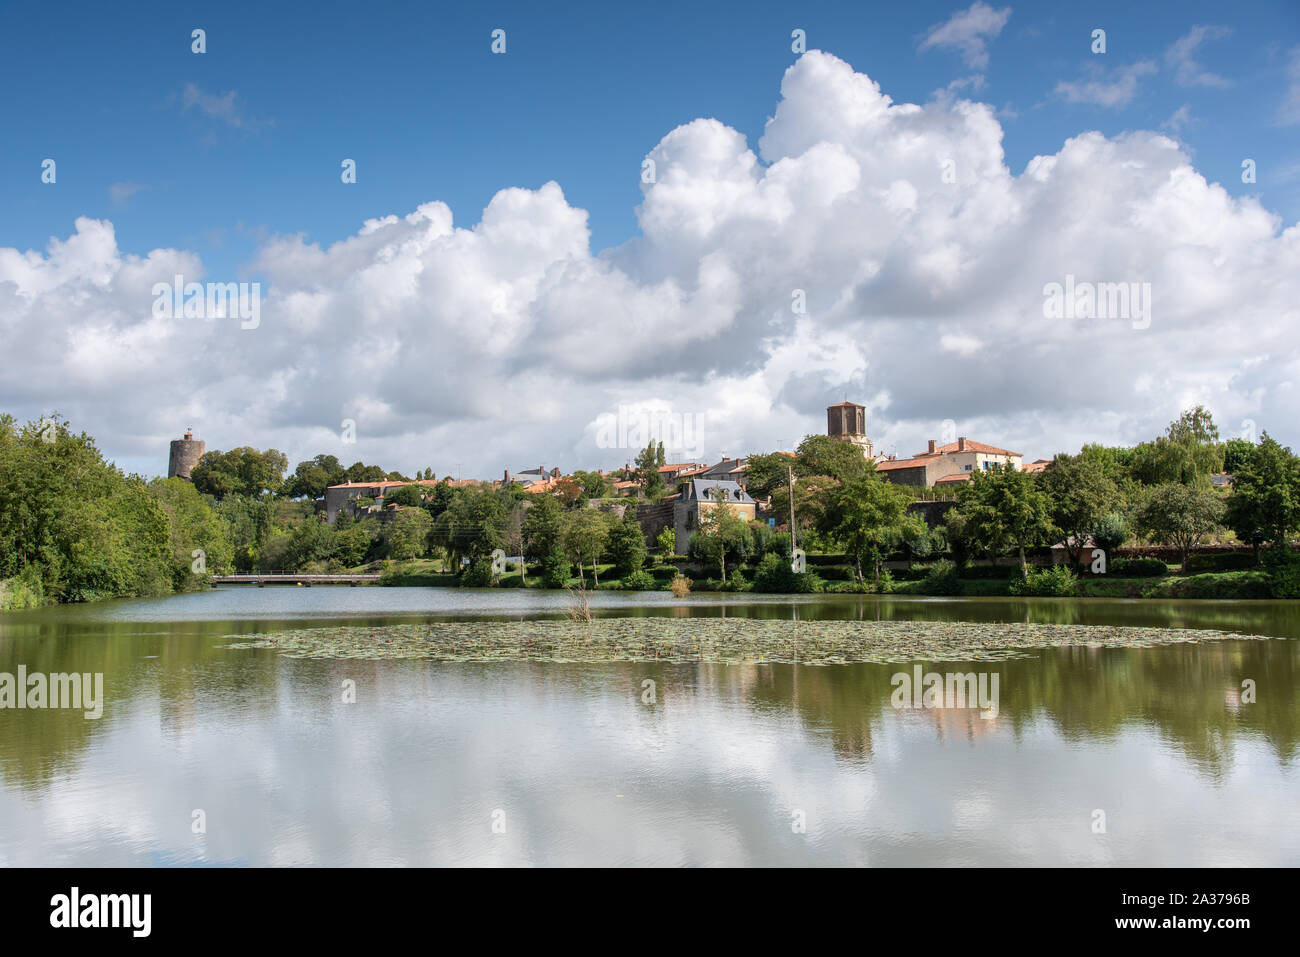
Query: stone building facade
185, 454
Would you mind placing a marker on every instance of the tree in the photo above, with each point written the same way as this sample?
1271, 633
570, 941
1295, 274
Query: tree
1265, 502
1188, 453
626, 546
1004, 510
1181, 516
241, 471
722, 532
826, 455
412, 495
407, 535
1235, 453
543, 527
311, 478
1080, 494
666, 542
766, 473
585, 534
648, 462
194, 527
594, 484
1110, 532
872, 521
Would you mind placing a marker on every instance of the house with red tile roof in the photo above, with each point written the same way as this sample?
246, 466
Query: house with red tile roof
948, 464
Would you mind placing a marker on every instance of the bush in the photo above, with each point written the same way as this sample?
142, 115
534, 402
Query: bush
641, 581
1283, 574
886, 584
24, 590
1137, 568
478, 575
1199, 564
838, 573
681, 586
735, 582
556, 569
1224, 585
988, 572
779, 545
941, 579
774, 575
1057, 581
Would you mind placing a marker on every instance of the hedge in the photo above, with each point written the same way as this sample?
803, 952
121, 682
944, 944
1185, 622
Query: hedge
1137, 568
1202, 562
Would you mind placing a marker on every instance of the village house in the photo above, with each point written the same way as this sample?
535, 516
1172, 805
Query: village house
945, 465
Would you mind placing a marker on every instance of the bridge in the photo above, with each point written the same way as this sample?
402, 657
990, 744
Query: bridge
262, 579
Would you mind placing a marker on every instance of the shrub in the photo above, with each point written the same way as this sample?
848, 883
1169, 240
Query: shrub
941, 579
1283, 573
735, 582
774, 575
988, 572
641, 581
779, 545
1055, 582
478, 575
24, 590
1110, 532
1219, 562
556, 569
838, 573
1224, 585
1137, 568
681, 586
886, 584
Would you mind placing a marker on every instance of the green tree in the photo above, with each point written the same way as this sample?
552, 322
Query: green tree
543, 527
585, 534
722, 533
1003, 510
626, 546
241, 471
1080, 493
1265, 502
1188, 453
194, 527
1181, 516
410, 495
872, 520
666, 542
407, 535
648, 462
312, 477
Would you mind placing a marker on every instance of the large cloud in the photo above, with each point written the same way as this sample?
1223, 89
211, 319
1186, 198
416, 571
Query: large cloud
921, 257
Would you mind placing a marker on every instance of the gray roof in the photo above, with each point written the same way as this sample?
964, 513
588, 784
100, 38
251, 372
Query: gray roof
725, 490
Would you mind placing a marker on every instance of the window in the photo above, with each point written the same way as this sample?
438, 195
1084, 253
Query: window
968, 468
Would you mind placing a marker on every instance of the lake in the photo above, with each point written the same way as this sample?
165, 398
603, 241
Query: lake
1096, 756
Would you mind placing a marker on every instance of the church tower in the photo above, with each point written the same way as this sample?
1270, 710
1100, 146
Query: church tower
847, 421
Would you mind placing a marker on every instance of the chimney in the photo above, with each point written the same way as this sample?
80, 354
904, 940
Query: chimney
505, 477
961, 444
931, 449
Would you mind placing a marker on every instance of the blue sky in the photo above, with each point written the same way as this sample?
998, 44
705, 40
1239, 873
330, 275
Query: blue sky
412, 93
502, 344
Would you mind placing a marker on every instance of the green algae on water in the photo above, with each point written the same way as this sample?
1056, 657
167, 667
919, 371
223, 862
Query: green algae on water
734, 640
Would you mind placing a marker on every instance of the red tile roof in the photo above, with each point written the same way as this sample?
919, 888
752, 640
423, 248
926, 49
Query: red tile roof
951, 447
954, 478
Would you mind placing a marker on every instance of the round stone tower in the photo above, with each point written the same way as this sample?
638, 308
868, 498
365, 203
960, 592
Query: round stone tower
185, 455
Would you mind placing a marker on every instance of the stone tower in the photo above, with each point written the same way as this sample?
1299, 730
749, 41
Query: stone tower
185, 455
847, 421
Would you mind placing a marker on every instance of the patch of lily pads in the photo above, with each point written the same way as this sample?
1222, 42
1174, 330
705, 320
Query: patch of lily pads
730, 640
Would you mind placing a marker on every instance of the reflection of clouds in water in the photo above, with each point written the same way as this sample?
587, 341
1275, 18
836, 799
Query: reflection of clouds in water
587, 774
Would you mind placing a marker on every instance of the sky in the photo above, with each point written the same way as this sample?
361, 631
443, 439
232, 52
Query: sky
679, 220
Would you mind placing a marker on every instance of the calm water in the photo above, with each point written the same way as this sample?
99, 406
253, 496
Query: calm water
581, 771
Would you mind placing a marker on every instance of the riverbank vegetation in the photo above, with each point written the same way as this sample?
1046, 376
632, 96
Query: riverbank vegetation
1146, 521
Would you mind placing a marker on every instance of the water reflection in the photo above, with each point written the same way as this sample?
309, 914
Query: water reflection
712, 773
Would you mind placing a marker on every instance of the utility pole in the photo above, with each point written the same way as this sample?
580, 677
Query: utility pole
789, 471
